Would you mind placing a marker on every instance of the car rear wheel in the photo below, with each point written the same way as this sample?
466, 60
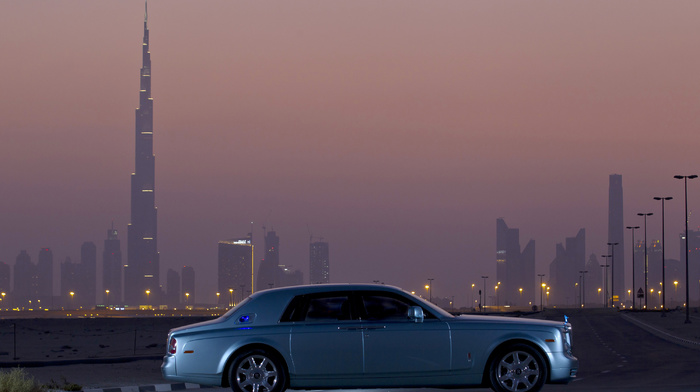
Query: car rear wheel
257, 371
518, 368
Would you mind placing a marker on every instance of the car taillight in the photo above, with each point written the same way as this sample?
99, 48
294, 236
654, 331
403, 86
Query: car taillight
172, 346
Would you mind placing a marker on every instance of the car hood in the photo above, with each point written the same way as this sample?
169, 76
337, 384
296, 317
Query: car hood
507, 320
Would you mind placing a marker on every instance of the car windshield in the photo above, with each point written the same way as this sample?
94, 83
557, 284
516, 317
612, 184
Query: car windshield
235, 308
431, 306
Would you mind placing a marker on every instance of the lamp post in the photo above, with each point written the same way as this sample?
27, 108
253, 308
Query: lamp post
107, 299
429, 287
148, 297
612, 272
633, 228
541, 285
471, 304
663, 252
646, 259
218, 294
583, 287
687, 281
606, 292
72, 293
483, 302
231, 293
496, 291
187, 299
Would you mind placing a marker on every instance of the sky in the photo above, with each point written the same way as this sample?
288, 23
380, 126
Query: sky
399, 131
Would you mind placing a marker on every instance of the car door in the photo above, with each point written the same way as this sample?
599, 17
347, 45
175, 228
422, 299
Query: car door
326, 339
396, 346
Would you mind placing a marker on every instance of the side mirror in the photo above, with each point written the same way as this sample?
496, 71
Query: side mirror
415, 314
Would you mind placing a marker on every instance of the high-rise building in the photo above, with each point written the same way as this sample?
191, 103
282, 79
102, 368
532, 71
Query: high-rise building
269, 270
112, 268
188, 289
70, 285
26, 282
172, 296
564, 270
616, 235
141, 273
45, 276
319, 264
515, 270
88, 274
4, 283
235, 269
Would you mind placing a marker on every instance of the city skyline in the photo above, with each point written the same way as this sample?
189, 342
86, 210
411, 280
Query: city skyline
397, 136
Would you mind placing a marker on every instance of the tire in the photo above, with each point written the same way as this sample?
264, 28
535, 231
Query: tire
519, 368
257, 370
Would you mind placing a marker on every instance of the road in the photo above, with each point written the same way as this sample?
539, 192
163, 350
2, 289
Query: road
615, 355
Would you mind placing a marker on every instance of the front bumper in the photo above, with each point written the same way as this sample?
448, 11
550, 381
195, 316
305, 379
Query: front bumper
563, 368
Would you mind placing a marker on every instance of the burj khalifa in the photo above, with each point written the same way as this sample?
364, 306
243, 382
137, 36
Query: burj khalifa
141, 273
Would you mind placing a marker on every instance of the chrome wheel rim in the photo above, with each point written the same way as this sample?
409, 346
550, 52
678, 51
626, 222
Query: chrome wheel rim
256, 373
518, 371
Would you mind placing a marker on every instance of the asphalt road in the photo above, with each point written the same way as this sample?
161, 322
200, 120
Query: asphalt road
614, 354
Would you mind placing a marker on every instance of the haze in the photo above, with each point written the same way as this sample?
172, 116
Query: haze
397, 130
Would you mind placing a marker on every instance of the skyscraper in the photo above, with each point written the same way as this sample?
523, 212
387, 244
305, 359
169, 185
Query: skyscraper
269, 270
45, 277
514, 269
141, 273
88, 274
319, 268
112, 268
616, 231
235, 269
26, 281
564, 270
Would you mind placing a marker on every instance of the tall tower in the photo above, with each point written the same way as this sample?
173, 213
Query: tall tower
514, 269
319, 263
112, 268
616, 235
141, 273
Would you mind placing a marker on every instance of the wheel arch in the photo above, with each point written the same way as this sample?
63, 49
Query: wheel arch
485, 379
248, 347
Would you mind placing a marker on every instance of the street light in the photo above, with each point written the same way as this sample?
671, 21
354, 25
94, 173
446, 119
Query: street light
148, 297
633, 228
471, 304
687, 281
612, 271
606, 292
646, 259
541, 284
583, 287
496, 289
483, 302
107, 294
429, 287
663, 250
187, 299
71, 299
218, 294
230, 292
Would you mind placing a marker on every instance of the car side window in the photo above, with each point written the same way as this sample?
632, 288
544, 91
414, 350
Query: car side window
386, 307
328, 308
379, 307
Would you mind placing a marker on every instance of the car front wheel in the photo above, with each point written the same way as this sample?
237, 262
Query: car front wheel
518, 368
257, 371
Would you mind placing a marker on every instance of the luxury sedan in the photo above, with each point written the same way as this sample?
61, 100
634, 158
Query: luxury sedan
347, 336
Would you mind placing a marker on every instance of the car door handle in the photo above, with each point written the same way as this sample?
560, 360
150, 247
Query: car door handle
350, 328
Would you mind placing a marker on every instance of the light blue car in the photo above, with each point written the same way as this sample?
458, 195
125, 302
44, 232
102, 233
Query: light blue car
350, 336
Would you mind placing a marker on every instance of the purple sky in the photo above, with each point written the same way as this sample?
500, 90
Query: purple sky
398, 130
